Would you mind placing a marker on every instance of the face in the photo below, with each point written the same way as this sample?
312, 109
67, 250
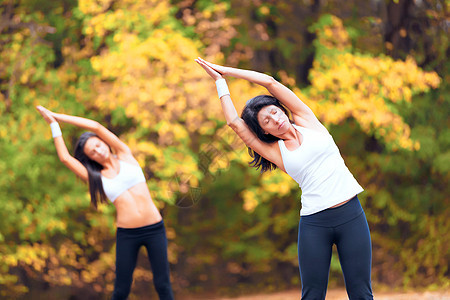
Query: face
273, 120
96, 149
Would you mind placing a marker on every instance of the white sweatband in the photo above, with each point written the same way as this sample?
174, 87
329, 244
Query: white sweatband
56, 131
222, 88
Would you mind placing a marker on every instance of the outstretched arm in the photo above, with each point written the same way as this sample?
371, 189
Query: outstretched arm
64, 156
238, 125
228, 108
302, 114
107, 136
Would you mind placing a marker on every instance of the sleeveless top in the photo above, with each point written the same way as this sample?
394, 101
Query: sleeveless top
129, 175
319, 169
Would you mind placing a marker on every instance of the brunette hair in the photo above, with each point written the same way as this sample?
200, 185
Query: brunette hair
95, 181
250, 117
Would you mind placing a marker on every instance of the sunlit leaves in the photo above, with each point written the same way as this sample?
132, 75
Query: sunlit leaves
140, 17
346, 84
129, 64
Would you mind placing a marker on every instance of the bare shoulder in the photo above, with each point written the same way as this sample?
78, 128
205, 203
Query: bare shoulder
310, 122
128, 158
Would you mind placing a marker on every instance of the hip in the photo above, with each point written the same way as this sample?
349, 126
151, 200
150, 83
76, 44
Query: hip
154, 228
336, 215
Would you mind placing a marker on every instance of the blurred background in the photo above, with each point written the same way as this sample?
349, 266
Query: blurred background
374, 72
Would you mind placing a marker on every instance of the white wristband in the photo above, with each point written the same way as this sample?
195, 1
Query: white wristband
56, 131
222, 88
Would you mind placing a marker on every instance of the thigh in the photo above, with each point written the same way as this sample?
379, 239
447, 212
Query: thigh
355, 255
127, 250
156, 245
314, 255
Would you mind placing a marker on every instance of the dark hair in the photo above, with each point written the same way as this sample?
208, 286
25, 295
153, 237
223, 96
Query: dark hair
95, 181
250, 117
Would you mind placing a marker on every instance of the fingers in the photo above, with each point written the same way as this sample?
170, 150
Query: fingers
200, 59
204, 61
40, 109
207, 63
44, 110
211, 72
220, 69
46, 114
197, 60
202, 65
209, 68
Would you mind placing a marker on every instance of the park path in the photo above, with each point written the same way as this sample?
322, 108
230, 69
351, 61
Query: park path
338, 294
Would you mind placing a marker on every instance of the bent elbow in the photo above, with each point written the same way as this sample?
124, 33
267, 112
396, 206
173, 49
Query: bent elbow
96, 126
270, 81
234, 124
64, 159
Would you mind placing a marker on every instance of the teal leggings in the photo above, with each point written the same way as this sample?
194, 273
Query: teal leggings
346, 226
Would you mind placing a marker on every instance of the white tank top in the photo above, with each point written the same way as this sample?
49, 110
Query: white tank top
129, 175
319, 169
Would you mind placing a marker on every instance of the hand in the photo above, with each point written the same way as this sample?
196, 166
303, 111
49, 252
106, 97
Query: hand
218, 68
214, 73
48, 115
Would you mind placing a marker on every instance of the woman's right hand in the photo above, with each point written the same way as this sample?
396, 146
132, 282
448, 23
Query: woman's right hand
48, 115
209, 69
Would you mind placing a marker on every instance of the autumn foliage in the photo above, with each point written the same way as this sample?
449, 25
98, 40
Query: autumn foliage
130, 65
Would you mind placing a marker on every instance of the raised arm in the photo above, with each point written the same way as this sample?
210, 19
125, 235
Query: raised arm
238, 125
302, 114
107, 136
64, 156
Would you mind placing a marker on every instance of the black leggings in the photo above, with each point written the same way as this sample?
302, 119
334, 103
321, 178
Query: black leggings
129, 241
346, 226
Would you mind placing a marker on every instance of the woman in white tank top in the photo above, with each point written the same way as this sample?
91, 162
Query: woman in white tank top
303, 148
118, 177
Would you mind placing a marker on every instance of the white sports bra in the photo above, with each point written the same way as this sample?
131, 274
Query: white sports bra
319, 169
129, 175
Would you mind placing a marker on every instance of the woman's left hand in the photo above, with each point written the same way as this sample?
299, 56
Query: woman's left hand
48, 115
211, 72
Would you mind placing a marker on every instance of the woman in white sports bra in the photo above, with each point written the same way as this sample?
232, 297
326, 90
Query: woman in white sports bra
118, 177
303, 148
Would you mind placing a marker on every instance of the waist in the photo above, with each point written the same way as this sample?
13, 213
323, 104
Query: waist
141, 229
135, 212
335, 216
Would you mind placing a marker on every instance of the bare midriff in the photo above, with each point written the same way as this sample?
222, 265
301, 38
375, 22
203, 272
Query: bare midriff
135, 208
342, 203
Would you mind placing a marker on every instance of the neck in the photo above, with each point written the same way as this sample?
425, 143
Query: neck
108, 163
290, 134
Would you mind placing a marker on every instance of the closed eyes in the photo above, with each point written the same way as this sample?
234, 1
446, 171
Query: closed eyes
273, 112
92, 152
